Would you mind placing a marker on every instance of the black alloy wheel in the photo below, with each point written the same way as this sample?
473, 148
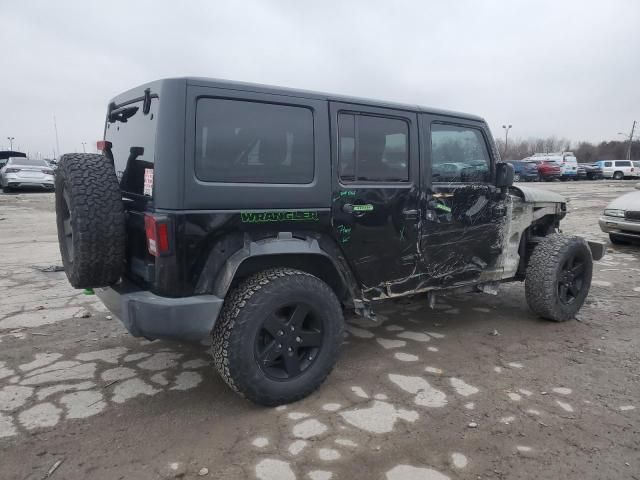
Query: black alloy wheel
571, 278
289, 341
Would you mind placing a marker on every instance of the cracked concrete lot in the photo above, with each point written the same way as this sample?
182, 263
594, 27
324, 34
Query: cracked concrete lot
478, 388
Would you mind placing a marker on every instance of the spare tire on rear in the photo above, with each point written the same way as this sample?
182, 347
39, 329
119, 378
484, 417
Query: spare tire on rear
90, 220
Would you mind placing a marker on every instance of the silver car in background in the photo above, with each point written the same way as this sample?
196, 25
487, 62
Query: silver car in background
621, 219
21, 172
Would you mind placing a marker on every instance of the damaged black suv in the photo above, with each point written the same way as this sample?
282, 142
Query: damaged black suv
256, 215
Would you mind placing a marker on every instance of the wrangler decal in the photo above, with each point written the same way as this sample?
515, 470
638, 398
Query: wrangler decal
266, 217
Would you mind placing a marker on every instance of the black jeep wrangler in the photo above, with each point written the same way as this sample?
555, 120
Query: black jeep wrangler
258, 214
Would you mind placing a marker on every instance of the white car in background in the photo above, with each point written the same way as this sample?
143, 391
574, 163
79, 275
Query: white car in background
20, 172
618, 169
621, 219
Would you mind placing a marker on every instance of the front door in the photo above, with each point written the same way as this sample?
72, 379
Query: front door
464, 213
375, 194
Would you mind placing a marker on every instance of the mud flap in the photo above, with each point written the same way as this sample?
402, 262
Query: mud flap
597, 249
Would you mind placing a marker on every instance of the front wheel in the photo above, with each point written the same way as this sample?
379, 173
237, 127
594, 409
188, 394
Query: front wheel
618, 176
558, 277
278, 336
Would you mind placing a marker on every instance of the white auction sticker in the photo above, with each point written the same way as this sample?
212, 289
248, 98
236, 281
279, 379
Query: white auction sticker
148, 181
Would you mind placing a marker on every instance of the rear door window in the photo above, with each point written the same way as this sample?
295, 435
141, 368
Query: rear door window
253, 142
373, 148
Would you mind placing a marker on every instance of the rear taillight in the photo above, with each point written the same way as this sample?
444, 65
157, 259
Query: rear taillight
103, 145
12, 170
158, 230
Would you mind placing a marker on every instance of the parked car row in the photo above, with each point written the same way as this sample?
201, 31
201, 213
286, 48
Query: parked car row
539, 168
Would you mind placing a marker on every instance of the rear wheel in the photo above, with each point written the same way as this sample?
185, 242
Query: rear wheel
558, 277
278, 336
618, 176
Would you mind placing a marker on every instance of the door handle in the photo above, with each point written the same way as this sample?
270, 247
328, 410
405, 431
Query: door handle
347, 208
410, 214
357, 210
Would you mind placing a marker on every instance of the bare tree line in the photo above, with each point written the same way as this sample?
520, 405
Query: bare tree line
585, 152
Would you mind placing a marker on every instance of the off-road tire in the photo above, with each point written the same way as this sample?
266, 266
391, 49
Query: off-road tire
618, 239
88, 195
543, 272
618, 176
241, 318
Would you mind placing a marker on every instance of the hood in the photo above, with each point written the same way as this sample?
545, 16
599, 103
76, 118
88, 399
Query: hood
538, 195
628, 201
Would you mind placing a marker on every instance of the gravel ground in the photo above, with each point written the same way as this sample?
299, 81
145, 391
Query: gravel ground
477, 388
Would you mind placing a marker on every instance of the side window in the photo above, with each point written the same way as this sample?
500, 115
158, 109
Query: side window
251, 142
459, 154
372, 149
624, 163
607, 164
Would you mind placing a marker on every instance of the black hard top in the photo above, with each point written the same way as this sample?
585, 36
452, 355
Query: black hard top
293, 92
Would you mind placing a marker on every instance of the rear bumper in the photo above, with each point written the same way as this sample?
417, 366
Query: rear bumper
151, 316
13, 180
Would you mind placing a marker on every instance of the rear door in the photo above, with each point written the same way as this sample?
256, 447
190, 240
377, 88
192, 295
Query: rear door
375, 193
461, 238
624, 166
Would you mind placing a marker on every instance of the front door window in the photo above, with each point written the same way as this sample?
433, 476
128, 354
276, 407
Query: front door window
459, 154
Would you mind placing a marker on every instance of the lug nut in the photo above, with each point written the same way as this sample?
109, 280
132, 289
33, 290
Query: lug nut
279, 346
280, 332
298, 339
290, 349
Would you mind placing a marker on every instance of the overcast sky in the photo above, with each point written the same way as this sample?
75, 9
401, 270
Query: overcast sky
564, 68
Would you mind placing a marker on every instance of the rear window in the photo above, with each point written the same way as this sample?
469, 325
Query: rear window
132, 134
251, 142
27, 162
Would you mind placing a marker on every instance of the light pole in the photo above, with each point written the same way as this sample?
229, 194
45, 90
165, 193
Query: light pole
11, 139
506, 137
631, 139
84, 150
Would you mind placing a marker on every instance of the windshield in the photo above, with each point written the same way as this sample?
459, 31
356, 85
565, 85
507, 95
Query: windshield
27, 162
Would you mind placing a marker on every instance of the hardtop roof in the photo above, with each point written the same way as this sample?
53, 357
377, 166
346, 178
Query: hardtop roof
271, 89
